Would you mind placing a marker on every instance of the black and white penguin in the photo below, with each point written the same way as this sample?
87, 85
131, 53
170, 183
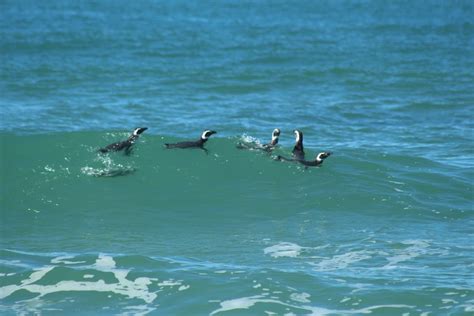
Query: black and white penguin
275, 135
266, 147
125, 144
318, 161
193, 144
298, 150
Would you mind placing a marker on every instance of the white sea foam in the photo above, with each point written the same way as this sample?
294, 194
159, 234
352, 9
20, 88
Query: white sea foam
416, 248
109, 168
137, 289
469, 307
169, 283
49, 169
119, 170
396, 182
283, 249
6, 291
249, 139
342, 261
249, 142
104, 263
248, 302
138, 310
183, 287
448, 301
300, 297
63, 260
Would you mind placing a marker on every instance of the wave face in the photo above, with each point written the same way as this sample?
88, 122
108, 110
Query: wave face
185, 232
383, 227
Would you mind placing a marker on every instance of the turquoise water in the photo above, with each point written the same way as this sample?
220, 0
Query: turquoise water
385, 226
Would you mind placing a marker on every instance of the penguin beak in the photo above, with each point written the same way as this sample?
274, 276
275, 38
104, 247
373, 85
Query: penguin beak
213, 132
142, 129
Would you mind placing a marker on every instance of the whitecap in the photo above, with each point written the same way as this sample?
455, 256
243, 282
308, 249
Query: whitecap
105, 263
283, 249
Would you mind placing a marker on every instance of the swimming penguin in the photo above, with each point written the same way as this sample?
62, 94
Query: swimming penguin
318, 161
126, 144
265, 147
193, 144
298, 150
274, 142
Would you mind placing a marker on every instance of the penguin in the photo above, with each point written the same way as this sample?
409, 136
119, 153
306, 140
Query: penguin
265, 147
318, 161
193, 144
275, 135
126, 144
298, 150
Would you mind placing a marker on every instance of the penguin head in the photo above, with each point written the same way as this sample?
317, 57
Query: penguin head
275, 135
137, 131
322, 155
207, 133
298, 135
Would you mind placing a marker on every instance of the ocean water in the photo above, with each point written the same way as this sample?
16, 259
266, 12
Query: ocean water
384, 227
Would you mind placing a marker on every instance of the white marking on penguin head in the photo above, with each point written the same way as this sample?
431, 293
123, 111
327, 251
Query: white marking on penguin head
275, 134
323, 155
137, 131
207, 133
299, 135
